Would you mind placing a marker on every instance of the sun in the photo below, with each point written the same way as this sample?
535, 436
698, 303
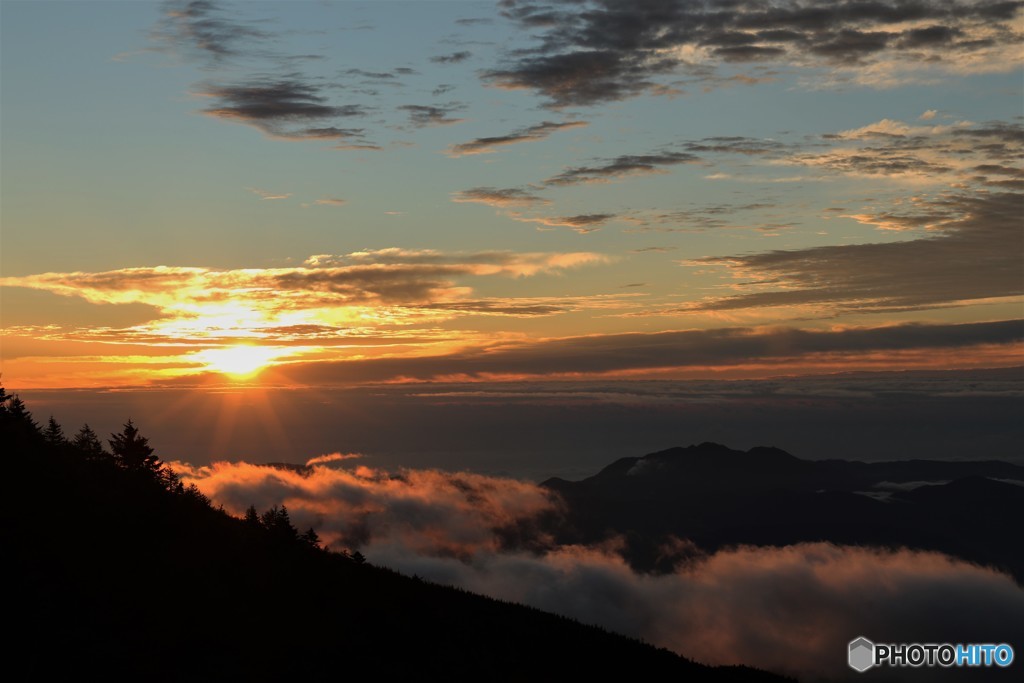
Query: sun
240, 361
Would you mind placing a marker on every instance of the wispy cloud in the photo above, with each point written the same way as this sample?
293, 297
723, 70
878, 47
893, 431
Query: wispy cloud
736, 144
919, 154
380, 77
581, 223
973, 254
206, 28
714, 216
453, 58
267, 194
284, 108
487, 145
332, 457
474, 21
627, 164
502, 197
656, 250
432, 115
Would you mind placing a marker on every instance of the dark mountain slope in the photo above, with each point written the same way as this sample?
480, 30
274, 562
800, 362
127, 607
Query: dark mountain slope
716, 496
117, 573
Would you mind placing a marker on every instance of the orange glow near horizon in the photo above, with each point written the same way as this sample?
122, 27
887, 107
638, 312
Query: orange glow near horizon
254, 364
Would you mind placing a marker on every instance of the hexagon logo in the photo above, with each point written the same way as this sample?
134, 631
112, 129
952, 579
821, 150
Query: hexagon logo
862, 654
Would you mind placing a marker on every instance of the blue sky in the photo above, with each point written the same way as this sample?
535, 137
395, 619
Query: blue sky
508, 174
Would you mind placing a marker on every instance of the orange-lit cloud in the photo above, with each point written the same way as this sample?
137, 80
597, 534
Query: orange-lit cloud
440, 513
362, 304
924, 155
790, 609
332, 457
502, 197
267, 194
326, 289
581, 223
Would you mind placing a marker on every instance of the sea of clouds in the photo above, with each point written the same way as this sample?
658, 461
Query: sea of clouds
788, 609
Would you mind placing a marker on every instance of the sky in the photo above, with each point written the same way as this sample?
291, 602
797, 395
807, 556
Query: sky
442, 251
321, 196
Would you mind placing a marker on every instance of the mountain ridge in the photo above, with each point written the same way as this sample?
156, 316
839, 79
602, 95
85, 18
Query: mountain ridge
123, 572
718, 497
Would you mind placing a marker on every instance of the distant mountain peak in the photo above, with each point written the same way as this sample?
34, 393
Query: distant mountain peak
713, 495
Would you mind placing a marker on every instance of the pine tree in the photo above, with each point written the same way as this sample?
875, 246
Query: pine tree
311, 538
252, 518
192, 492
89, 444
18, 427
54, 433
169, 479
132, 451
277, 521
19, 413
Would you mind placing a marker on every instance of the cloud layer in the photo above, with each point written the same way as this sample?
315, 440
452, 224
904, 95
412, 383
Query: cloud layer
700, 350
325, 301
387, 276
437, 513
597, 51
973, 253
790, 609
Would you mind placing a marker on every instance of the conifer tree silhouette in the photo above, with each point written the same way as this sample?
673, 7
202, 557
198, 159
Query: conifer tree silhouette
277, 521
252, 518
54, 433
132, 451
19, 413
311, 537
88, 443
18, 426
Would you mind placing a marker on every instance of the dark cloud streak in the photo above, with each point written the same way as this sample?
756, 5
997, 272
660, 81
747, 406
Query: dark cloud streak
502, 197
695, 348
421, 115
540, 131
975, 255
594, 51
627, 164
201, 26
453, 58
286, 107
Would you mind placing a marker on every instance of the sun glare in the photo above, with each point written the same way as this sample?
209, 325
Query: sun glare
238, 361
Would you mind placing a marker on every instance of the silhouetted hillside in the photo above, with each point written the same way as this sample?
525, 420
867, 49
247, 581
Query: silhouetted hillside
716, 496
119, 572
